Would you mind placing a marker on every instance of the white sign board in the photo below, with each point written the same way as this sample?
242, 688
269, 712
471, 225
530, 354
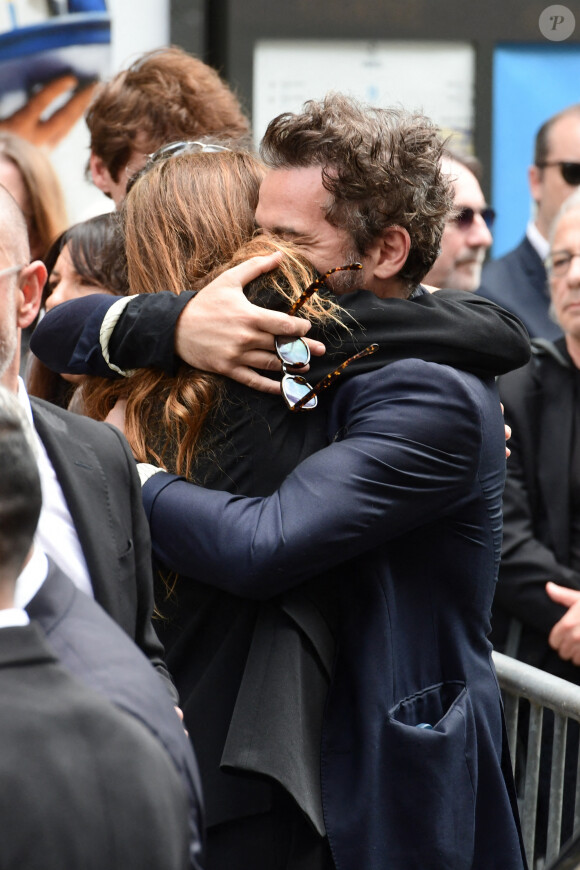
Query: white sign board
436, 78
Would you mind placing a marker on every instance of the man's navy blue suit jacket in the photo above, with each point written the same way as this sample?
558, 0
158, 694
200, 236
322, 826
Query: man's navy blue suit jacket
394, 530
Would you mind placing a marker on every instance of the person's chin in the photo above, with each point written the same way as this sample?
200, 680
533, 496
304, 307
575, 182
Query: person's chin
467, 277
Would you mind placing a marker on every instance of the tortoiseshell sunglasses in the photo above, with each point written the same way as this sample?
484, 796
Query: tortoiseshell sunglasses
294, 353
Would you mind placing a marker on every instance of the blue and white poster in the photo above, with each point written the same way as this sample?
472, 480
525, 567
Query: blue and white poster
53, 53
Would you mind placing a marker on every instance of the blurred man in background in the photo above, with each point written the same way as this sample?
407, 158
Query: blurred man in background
517, 281
467, 234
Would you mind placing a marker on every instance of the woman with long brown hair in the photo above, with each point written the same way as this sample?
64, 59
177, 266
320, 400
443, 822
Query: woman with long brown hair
188, 217
28, 174
194, 423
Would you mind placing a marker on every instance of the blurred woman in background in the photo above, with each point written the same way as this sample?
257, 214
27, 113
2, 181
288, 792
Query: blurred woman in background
27, 173
89, 257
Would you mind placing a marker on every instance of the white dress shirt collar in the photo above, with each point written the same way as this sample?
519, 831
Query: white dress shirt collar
31, 578
13, 616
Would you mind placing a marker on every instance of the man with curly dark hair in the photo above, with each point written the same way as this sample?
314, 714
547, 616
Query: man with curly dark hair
349, 181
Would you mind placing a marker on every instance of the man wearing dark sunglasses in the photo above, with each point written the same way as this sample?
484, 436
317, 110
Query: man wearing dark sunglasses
517, 281
467, 234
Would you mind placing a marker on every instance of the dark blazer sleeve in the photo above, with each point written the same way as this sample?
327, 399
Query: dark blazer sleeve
67, 339
450, 327
411, 445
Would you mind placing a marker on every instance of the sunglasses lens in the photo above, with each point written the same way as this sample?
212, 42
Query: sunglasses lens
464, 218
295, 388
293, 352
571, 173
488, 215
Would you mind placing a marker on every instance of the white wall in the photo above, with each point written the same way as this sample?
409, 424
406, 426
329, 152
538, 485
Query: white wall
138, 26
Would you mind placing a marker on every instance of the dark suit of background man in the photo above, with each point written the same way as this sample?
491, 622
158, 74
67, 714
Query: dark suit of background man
92, 523
95, 650
517, 281
83, 784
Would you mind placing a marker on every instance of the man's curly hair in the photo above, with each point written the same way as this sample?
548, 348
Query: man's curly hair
382, 167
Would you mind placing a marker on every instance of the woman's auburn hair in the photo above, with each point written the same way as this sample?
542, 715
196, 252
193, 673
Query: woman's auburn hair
187, 220
45, 211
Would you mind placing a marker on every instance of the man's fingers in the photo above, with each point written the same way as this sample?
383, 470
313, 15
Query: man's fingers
317, 348
256, 381
262, 359
562, 595
248, 270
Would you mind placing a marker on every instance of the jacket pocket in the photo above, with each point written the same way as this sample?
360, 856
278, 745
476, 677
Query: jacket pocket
429, 762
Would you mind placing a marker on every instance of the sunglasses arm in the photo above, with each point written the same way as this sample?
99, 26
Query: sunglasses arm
328, 379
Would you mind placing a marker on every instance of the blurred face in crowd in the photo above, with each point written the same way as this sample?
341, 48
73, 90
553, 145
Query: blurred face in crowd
564, 272
466, 238
547, 184
116, 189
8, 313
65, 283
12, 180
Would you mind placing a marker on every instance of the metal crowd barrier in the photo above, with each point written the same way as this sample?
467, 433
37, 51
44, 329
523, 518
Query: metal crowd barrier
543, 691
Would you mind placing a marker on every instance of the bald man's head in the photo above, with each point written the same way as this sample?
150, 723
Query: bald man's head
14, 247
21, 284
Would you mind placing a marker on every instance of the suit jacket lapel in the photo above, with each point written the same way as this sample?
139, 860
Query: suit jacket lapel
84, 485
533, 267
555, 446
53, 599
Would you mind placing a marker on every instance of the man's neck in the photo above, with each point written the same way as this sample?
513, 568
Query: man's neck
9, 379
542, 228
392, 288
537, 240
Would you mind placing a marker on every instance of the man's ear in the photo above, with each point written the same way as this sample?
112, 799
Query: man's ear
535, 178
390, 253
31, 284
100, 174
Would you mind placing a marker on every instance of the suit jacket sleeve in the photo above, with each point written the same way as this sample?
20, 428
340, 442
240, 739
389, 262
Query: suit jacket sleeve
67, 339
450, 327
413, 442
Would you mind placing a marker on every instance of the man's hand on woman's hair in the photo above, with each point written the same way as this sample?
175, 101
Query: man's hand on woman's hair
221, 331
